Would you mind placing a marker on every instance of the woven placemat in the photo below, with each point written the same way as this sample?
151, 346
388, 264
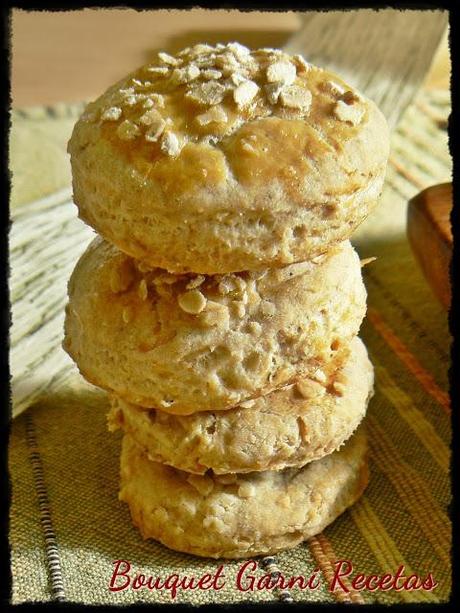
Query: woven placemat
67, 526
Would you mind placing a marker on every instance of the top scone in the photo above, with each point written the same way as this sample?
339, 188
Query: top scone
221, 159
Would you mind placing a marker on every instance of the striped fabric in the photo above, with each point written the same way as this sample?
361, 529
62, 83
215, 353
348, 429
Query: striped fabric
67, 526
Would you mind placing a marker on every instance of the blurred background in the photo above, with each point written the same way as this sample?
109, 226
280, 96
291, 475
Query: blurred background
74, 55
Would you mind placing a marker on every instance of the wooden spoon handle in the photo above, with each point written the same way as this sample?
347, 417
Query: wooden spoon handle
430, 236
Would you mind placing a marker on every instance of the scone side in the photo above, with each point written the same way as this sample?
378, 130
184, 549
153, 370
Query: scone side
249, 526
293, 322
286, 428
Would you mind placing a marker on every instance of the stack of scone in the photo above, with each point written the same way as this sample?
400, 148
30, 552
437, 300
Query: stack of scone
221, 305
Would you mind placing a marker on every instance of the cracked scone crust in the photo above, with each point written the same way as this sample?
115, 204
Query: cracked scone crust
221, 160
289, 427
190, 343
236, 516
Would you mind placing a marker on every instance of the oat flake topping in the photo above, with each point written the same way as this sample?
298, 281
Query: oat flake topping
217, 88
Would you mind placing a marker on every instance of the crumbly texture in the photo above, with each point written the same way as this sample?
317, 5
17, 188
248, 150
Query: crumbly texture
289, 427
190, 343
237, 516
221, 159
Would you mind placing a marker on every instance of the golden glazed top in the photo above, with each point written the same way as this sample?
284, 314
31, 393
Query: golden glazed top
222, 159
205, 94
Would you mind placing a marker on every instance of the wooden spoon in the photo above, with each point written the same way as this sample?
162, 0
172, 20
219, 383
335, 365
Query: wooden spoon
430, 236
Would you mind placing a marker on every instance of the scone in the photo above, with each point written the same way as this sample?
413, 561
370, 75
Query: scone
289, 427
221, 159
190, 343
236, 516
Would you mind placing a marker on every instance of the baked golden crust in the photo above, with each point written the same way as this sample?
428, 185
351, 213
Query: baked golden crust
289, 427
220, 159
236, 516
190, 343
